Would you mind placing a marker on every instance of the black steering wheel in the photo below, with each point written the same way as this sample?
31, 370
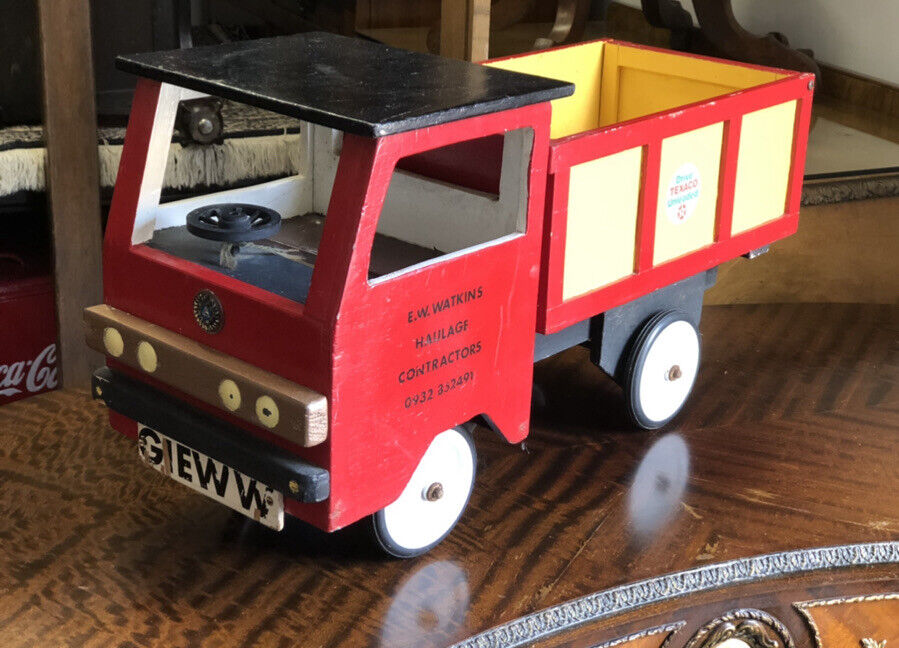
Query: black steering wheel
233, 222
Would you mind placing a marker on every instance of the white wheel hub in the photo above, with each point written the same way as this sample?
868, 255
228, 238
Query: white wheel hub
435, 496
669, 370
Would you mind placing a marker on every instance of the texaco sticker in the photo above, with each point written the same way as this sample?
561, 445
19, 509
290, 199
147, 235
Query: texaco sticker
683, 193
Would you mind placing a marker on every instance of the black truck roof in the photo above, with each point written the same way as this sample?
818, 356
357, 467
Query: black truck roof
350, 84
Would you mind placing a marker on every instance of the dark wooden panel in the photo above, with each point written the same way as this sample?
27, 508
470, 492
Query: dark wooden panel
868, 621
73, 177
790, 443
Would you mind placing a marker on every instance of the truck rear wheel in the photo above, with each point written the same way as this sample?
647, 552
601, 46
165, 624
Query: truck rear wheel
661, 369
432, 501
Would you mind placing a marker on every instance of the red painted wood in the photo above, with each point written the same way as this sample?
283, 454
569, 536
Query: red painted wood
123, 207
637, 285
388, 401
648, 132
555, 228
800, 145
583, 147
358, 182
160, 289
474, 165
554, 187
727, 178
352, 338
646, 225
123, 425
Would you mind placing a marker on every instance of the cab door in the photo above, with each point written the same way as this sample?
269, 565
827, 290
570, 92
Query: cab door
437, 322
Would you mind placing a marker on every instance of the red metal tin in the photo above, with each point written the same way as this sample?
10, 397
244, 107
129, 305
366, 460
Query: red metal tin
27, 324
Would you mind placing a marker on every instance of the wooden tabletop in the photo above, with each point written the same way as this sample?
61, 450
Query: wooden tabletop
790, 442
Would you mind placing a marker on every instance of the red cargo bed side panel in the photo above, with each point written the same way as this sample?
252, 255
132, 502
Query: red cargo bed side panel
554, 313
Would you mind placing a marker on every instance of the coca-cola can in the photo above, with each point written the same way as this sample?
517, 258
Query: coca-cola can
28, 357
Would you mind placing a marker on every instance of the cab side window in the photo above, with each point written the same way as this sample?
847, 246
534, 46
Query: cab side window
452, 199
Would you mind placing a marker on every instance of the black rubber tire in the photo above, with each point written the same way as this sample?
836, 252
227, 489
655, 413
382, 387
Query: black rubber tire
635, 362
378, 531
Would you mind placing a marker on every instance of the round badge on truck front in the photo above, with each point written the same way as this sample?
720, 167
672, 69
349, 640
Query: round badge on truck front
208, 311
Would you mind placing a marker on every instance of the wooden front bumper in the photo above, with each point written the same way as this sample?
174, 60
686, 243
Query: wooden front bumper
288, 410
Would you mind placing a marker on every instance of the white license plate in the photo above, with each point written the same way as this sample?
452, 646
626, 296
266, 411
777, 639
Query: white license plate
211, 478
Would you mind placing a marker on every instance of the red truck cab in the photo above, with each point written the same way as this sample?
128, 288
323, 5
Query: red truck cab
396, 303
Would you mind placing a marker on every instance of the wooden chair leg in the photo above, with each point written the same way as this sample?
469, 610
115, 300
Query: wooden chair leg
720, 27
465, 29
719, 34
73, 179
570, 23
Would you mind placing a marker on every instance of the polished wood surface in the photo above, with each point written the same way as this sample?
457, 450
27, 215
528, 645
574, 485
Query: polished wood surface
843, 252
790, 442
850, 620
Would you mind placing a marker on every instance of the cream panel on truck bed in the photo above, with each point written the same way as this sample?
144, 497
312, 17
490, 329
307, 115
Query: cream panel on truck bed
688, 192
766, 146
662, 165
603, 203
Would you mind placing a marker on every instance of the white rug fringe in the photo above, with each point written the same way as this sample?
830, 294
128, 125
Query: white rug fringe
22, 170
234, 160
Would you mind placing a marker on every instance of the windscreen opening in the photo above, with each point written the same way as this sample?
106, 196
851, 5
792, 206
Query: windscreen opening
280, 164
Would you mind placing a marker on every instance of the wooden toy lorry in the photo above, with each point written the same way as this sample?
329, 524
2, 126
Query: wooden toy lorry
319, 345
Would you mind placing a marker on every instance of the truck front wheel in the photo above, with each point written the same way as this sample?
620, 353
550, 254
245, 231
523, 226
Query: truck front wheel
661, 369
433, 499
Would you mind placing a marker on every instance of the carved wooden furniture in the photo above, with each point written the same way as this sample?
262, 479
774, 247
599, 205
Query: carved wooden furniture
592, 535
569, 25
719, 34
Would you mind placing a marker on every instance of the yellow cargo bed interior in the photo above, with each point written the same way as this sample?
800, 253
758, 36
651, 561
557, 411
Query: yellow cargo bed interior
615, 82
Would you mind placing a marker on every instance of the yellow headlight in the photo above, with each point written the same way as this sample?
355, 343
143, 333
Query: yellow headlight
146, 357
113, 342
267, 411
229, 392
